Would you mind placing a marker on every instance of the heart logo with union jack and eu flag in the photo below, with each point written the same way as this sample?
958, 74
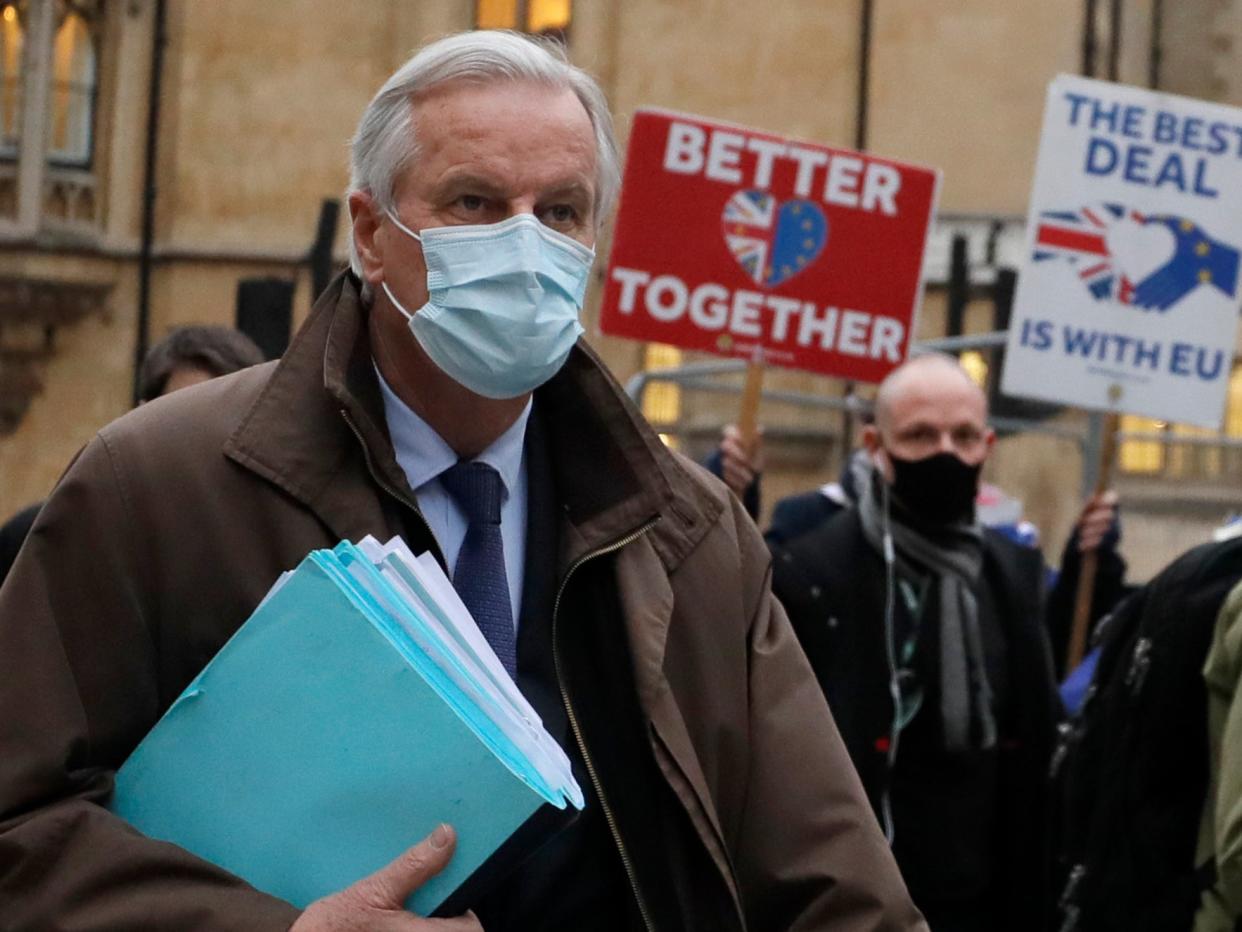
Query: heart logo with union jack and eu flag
773, 241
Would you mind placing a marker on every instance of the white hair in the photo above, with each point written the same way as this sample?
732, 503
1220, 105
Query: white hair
385, 142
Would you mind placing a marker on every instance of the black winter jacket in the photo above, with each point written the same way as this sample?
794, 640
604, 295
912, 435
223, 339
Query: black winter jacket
832, 584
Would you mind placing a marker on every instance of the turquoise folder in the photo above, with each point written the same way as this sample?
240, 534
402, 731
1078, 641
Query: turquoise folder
321, 742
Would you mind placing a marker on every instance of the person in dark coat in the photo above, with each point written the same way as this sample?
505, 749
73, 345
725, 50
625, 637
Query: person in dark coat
13, 534
1097, 528
639, 609
925, 633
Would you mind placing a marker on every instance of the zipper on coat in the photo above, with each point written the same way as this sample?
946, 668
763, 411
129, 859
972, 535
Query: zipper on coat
626, 861
1067, 902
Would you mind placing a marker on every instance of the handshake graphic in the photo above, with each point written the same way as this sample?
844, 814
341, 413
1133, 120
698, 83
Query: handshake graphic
1147, 261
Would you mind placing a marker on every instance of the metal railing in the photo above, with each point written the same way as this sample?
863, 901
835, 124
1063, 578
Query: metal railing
704, 377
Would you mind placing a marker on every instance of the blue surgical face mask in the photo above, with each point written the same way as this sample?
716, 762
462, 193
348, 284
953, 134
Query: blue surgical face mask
503, 301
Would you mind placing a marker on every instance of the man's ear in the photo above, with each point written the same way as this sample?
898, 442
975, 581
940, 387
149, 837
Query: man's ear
874, 446
871, 439
989, 441
366, 218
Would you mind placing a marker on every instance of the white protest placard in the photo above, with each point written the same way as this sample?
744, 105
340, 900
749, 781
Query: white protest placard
1129, 300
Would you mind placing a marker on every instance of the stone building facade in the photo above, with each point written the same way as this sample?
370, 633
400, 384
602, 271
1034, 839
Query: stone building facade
115, 226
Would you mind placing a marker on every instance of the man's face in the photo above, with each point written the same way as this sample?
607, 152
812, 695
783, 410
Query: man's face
486, 153
935, 410
184, 376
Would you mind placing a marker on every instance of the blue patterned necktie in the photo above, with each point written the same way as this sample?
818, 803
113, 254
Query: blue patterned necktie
479, 576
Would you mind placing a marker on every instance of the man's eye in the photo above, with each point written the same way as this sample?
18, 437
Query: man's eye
561, 213
471, 202
967, 438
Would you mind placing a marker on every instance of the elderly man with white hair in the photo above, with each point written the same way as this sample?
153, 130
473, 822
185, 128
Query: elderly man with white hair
439, 391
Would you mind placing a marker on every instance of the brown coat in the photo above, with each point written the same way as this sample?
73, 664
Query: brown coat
173, 522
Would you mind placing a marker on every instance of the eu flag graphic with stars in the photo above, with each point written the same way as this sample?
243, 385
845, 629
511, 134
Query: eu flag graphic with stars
773, 241
1197, 260
1080, 238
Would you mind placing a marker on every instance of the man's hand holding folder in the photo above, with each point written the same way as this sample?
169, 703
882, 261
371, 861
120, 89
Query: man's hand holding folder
377, 903
357, 708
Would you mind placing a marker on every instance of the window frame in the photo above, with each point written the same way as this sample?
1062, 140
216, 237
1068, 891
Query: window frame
1183, 459
521, 21
39, 178
60, 161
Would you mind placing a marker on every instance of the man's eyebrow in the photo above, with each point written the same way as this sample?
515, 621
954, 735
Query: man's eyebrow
569, 189
469, 181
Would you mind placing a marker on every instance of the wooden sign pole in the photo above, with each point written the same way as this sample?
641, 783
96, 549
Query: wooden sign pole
1089, 560
748, 417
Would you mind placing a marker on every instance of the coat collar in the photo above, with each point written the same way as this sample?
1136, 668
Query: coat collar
317, 431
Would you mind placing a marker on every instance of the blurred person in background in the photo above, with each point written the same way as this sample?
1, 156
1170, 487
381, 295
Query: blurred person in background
924, 631
189, 355
1097, 528
185, 357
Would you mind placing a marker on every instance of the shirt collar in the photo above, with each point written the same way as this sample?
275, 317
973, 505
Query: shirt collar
424, 454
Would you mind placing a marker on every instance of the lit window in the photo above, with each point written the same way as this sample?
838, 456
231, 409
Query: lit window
12, 34
976, 367
1233, 424
73, 82
1193, 460
547, 17
1233, 406
540, 17
662, 400
1141, 456
1186, 460
496, 14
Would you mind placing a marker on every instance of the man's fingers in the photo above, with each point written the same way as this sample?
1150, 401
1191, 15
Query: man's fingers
390, 886
731, 453
737, 478
466, 923
1091, 532
1088, 542
1096, 519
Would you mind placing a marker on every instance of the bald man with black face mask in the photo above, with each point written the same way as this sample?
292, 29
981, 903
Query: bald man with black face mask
924, 631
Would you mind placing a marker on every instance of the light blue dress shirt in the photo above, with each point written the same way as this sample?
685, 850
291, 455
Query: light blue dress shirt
423, 455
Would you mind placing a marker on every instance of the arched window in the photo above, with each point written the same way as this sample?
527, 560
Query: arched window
75, 54
50, 66
13, 25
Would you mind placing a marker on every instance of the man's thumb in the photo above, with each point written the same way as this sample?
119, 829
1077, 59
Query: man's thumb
390, 886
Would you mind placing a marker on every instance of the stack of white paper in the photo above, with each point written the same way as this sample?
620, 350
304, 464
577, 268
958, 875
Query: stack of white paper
356, 709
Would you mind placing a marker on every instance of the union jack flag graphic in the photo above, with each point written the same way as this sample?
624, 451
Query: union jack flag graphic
1078, 236
748, 230
773, 241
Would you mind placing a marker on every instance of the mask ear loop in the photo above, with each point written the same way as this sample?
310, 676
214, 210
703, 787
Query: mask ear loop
395, 303
391, 215
894, 686
401, 226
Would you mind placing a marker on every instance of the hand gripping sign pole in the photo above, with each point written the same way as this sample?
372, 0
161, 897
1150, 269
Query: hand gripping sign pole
1128, 300
1089, 561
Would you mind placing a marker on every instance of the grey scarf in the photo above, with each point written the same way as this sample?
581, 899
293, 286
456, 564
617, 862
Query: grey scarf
955, 558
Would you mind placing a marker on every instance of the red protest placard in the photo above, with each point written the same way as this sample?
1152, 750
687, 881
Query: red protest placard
729, 240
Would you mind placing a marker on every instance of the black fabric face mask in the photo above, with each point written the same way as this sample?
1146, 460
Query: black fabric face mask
937, 489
